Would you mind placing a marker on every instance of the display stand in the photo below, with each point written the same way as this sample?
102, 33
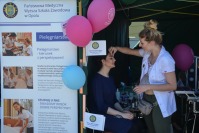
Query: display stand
191, 107
37, 86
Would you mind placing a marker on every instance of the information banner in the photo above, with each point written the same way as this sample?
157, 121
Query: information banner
34, 53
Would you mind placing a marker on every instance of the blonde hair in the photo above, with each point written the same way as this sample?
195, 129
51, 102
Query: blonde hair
151, 24
28, 41
151, 35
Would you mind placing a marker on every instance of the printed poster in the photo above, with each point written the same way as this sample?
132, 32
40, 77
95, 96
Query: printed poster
34, 53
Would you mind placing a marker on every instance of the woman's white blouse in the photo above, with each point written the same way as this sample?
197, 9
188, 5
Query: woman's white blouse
12, 82
9, 43
26, 114
6, 79
29, 80
164, 64
27, 50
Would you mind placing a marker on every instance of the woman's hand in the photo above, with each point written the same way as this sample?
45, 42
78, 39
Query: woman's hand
112, 50
141, 88
21, 130
127, 115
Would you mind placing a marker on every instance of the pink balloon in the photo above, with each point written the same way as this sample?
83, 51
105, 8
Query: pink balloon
183, 56
79, 30
100, 14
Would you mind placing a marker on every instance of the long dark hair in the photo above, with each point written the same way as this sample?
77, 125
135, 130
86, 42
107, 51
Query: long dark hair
98, 62
21, 108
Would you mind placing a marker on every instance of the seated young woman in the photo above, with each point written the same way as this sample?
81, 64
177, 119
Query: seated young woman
102, 98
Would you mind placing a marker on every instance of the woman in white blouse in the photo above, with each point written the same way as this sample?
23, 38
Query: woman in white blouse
27, 49
12, 81
5, 78
157, 81
29, 78
23, 115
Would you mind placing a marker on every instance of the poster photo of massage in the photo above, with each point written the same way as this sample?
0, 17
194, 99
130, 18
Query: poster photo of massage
18, 116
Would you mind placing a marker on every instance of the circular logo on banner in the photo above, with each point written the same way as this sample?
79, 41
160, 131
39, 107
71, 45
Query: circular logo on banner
92, 118
95, 45
10, 10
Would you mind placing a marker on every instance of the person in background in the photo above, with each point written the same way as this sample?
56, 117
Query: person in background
29, 78
24, 114
10, 44
10, 71
12, 81
27, 49
5, 78
102, 99
157, 81
4, 36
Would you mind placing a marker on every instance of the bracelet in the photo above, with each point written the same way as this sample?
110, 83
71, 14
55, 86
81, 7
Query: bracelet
118, 116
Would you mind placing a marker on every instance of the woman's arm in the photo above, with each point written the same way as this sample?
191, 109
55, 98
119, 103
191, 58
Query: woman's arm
24, 126
16, 124
124, 50
125, 115
9, 46
170, 86
15, 46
